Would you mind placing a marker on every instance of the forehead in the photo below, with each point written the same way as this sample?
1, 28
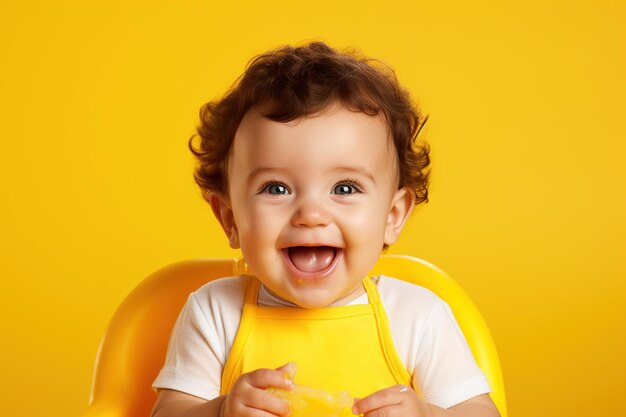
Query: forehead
333, 135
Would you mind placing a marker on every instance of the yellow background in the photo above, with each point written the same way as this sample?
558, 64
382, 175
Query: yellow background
528, 198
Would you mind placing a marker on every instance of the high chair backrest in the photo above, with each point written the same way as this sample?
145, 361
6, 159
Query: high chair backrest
133, 349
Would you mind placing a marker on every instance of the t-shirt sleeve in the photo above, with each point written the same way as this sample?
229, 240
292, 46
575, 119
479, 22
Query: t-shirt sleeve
201, 339
446, 370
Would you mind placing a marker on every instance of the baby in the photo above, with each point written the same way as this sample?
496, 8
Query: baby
311, 166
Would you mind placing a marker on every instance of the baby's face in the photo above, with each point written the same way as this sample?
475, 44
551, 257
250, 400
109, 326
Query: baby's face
311, 202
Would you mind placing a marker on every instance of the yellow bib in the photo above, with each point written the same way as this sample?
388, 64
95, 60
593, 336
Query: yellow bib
336, 348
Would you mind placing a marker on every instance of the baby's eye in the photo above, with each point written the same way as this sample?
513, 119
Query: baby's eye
346, 188
277, 189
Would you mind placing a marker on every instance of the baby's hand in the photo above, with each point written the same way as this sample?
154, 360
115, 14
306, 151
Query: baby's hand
399, 400
248, 397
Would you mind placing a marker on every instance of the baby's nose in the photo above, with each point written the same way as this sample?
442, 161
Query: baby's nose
310, 213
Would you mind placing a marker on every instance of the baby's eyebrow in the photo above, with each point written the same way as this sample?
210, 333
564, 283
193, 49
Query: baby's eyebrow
264, 170
356, 170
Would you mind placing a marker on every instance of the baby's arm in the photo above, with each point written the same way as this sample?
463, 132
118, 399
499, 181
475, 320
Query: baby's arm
402, 401
247, 398
172, 403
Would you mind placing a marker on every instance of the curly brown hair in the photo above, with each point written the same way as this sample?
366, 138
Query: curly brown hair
292, 82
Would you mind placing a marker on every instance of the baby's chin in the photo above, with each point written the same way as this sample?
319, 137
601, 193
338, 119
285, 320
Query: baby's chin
308, 301
319, 299
300, 297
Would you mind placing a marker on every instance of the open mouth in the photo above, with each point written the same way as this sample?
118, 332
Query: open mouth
312, 261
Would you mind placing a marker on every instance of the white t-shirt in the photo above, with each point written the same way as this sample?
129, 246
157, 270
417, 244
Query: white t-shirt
426, 336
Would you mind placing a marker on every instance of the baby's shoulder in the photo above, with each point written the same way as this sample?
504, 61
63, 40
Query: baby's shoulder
222, 293
406, 298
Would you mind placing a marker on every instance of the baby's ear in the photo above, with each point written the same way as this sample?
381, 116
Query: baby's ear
401, 207
224, 213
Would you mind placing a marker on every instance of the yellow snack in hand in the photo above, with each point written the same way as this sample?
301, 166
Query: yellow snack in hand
312, 402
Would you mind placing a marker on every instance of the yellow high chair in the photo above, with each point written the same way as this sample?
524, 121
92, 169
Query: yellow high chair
133, 348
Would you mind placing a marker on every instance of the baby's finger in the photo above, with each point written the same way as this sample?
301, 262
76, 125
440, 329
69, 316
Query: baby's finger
289, 369
265, 378
391, 411
262, 400
244, 411
383, 398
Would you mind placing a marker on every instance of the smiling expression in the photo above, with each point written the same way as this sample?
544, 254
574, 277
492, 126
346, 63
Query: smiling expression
311, 202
